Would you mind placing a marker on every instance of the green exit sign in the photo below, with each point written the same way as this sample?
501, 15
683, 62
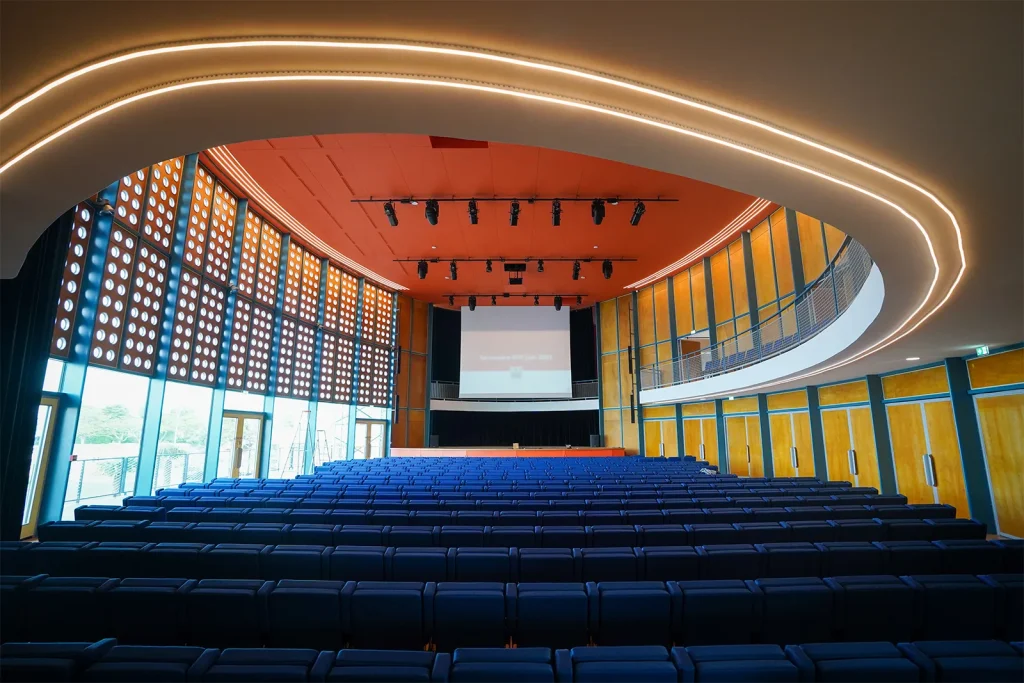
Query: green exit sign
981, 350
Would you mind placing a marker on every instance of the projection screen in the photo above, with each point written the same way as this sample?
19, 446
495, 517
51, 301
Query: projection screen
515, 352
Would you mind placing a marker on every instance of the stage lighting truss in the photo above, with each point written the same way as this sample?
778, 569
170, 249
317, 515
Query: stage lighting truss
539, 298
432, 210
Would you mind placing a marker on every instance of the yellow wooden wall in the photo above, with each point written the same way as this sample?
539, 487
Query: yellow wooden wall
617, 380
789, 429
849, 428
411, 375
743, 444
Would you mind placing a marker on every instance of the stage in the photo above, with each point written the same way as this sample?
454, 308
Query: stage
581, 452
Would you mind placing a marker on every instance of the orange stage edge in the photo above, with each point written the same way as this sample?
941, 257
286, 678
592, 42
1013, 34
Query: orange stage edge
507, 452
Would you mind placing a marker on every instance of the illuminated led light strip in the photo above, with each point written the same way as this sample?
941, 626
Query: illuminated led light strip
234, 169
716, 241
889, 339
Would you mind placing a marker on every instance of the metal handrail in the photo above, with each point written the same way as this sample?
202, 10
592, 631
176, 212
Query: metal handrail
440, 390
812, 311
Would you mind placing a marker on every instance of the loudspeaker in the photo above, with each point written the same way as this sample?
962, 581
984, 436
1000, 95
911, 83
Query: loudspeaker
434, 440
595, 440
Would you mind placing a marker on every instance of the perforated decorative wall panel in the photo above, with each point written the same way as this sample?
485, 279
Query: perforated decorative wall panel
261, 332
130, 195
239, 348
343, 369
145, 309
347, 304
285, 357
222, 230
184, 325
162, 203
309, 304
381, 380
328, 351
113, 299
198, 219
250, 255
293, 280
383, 328
331, 294
302, 371
71, 284
368, 313
269, 266
209, 328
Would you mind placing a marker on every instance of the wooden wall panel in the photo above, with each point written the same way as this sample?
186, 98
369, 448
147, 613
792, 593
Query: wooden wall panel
652, 438
1001, 421
906, 432
664, 352
645, 315
949, 469
706, 408
834, 238
608, 327
417, 435
747, 404
612, 428
610, 381
738, 275
754, 442
625, 378
802, 440
736, 445
812, 246
787, 400
850, 392
864, 443
720, 286
405, 321
835, 429
764, 267
916, 383
670, 438
780, 247
630, 434
684, 308
417, 382
663, 329
662, 412
420, 309
648, 355
998, 370
700, 301
709, 430
782, 441
692, 438
624, 305
398, 433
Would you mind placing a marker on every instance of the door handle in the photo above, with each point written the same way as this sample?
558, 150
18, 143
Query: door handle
702, 451
792, 455
852, 455
929, 469
748, 455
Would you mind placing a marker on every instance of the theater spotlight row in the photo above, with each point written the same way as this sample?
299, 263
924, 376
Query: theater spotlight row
432, 207
514, 267
556, 299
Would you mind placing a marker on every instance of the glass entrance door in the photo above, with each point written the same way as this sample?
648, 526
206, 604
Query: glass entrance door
369, 441
241, 439
37, 467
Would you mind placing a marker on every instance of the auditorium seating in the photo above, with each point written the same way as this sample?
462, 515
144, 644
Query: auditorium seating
433, 569
107, 660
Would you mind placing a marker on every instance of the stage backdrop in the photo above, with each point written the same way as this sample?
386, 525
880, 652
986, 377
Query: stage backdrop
467, 430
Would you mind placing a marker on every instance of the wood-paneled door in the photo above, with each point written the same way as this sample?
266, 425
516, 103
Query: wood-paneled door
743, 441
660, 438
1001, 422
850, 451
927, 453
700, 438
792, 453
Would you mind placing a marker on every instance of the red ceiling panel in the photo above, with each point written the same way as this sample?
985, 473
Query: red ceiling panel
315, 177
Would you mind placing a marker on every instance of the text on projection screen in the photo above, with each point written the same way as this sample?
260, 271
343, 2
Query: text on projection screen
515, 352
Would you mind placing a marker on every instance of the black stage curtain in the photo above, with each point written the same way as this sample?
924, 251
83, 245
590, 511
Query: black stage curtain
467, 430
27, 306
447, 342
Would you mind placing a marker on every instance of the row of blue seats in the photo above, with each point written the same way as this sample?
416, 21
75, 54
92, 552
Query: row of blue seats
474, 484
712, 515
448, 615
991, 661
502, 536
539, 496
373, 563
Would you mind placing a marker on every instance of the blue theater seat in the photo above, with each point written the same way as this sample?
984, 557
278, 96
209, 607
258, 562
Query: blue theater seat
254, 664
358, 563
875, 607
840, 558
911, 557
294, 562
970, 557
65, 608
714, 534
483, 564
395, 615
549, 564
561, 537
57, 661
359, 534
148, 611
663, 534
14, 598
810, 530
795, 610
611, 536
462, 537
609, 564
646, 664
733, 561
227, 612
668, 563
1012, 603
418, 564
149, 663
861, 661
61, 558
958, 606
719, 612
511, 537
789, 559
230, 561
500, 665
733, 663
551, 614
979, 660
305, 613
634, 612
469, 615
360, 666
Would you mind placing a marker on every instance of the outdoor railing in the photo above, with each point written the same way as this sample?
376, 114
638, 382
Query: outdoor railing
814, 310
172, 469
98, 479
450, 391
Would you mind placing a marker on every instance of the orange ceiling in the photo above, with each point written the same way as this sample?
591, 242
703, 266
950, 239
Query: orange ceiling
315, 177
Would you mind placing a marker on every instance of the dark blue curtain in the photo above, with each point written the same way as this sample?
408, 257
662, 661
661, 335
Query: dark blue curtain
467, 430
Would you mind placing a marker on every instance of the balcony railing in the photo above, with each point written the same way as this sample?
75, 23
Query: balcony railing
450, 391
815, 309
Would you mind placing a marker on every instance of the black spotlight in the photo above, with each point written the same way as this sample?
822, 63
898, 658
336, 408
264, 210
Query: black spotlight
421, 270
389, 211
638, 212
606, 269
432, 211
575, 270
513, 213
494, 300
579, 300
488, 265
454, 268
472, 303
474, 217
451, 300
558, 303
536, 300
597, 211
540, 266
556, 213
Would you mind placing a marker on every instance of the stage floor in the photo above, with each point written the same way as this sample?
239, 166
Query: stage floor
580, 452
